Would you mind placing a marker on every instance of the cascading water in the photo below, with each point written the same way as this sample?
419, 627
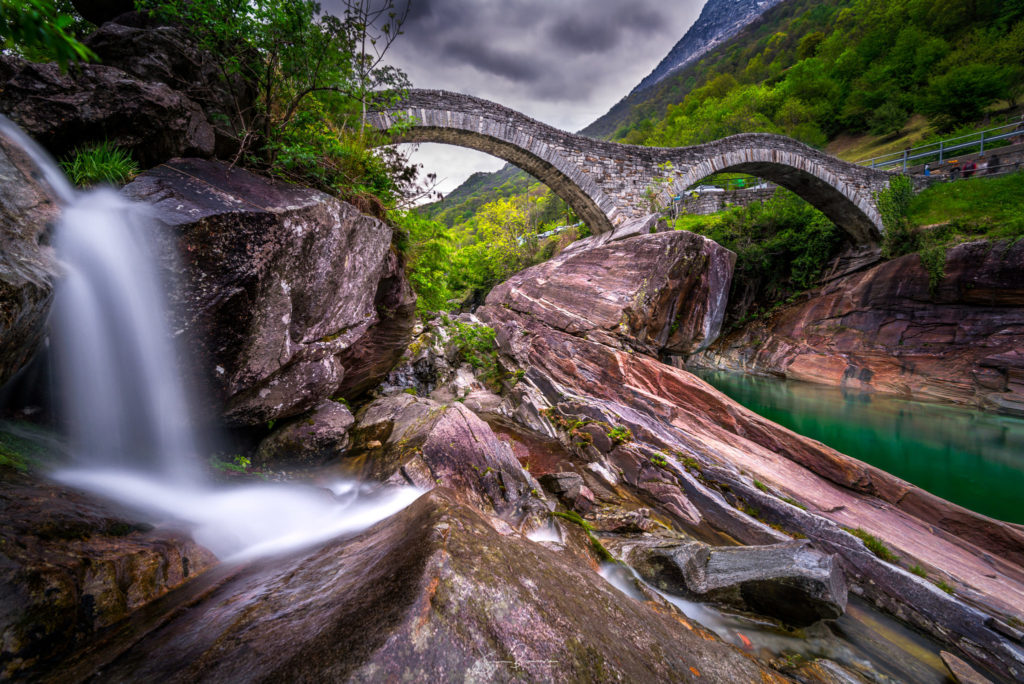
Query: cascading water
122, 398
123, 401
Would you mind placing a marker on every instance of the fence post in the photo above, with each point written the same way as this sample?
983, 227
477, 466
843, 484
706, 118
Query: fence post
940, 151
905, 161
982, 142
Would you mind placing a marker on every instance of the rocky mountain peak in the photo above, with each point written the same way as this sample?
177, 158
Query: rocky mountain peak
718, 21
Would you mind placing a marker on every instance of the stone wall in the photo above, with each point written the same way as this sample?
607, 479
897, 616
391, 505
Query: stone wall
713, 202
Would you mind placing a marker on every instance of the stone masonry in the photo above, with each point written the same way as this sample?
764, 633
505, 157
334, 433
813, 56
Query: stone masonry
608, 183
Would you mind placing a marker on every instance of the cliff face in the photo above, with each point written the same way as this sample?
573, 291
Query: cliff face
883, 330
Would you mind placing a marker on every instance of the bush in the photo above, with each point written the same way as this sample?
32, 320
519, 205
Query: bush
101, 163
782, 245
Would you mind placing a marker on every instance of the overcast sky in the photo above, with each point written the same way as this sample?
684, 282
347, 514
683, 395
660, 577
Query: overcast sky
564, 62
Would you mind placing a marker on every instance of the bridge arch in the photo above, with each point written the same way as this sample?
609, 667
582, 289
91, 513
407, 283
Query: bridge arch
847, 199
608, 183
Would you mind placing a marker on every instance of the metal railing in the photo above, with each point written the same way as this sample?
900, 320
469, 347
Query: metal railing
937, 153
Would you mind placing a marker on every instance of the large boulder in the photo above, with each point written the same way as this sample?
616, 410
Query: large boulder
152, 51
278, 286
656, 292
63, 111
790, 581
885, 330
28, 210
411, 440
434, 593
71, 566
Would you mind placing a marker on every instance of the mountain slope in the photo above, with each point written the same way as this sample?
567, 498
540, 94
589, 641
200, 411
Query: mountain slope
718, 21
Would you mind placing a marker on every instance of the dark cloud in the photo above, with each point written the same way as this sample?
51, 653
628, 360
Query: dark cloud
492, 60
565, 62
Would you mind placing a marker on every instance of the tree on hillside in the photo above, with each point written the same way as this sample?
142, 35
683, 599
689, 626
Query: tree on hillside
312, 74
962, 94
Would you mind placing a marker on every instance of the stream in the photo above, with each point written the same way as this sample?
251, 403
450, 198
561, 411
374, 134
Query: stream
969, 457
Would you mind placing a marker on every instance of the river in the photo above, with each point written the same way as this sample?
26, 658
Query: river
970, 457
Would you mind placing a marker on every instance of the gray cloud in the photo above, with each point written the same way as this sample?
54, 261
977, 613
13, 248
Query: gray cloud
564, 62
490, 59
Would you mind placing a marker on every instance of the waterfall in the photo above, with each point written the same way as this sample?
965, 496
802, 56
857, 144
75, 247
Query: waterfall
121, 394
123, 401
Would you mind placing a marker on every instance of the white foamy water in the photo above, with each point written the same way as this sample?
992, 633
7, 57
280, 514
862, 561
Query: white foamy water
124, 405
248, 521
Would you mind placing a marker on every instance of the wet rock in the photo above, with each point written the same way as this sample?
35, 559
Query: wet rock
428, 444
570, 489
661, 292
309, 440
961, 671
62, 111
28, 210
286, 296
70, 566
792, 582
883, 330
431, 594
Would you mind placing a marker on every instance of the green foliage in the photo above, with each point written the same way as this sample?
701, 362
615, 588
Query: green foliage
875, 545
947, 214
893, 205
42, 31
919, 571
762, 486
315, 75
781, 244
944, 586
595, 543
812, 69
101, 163
237, 464
990, 207
428, 246
659, 460
475, 343
620, 434
450, 265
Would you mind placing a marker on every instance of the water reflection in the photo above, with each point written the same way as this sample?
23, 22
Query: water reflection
972, 458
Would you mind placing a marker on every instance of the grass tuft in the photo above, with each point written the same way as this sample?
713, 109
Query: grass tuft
100, 163
875, 545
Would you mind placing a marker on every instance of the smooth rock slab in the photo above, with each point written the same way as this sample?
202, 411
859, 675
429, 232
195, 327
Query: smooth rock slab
411, 440
657, 292
431, 594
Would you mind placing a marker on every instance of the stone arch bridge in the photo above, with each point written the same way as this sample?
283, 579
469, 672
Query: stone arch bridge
608, 183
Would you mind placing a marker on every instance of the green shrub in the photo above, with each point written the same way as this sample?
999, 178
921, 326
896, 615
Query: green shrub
100, 163
875, 545
620, 434
919, 571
